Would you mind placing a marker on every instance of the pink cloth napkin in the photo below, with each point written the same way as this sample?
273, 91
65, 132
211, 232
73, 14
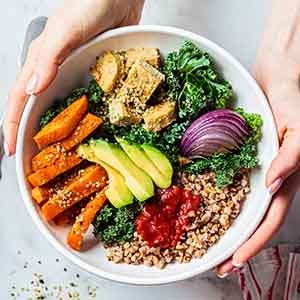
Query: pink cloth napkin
274, 274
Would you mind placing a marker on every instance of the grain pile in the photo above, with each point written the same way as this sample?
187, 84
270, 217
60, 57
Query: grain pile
219, 207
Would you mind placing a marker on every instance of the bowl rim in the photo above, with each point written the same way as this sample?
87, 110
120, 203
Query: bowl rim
67, 252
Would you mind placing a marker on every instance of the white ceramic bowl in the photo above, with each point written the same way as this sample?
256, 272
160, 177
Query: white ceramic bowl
74, 73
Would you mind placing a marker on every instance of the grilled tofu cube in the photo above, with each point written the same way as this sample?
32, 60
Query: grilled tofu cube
107, 70
150, 55
121, 114
129, 103
141, 82
160, 116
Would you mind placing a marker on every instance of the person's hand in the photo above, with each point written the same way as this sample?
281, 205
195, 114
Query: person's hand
278, 76
71, 26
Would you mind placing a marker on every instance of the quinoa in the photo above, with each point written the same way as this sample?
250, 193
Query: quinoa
218, 209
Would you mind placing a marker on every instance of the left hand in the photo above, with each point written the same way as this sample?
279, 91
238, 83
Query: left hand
278, 76
75, 23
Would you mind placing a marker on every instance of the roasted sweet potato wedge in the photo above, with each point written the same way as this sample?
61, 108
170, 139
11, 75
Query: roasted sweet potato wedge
84, 220
89, 180
68, 217
50, 154
66, 162
41, 194
63, 124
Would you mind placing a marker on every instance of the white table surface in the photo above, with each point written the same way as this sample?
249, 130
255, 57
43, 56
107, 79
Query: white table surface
234, 24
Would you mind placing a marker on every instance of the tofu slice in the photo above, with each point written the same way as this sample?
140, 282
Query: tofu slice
150, 55
121, 114
141, 82
129, 103
107, 70
160, 116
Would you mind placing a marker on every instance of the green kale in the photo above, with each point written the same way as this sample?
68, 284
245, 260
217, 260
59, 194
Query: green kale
226, 165
137, 134
192, 80
50, 113
255, 123
74, 95
93, 92
113, 226
169, 143
96, 105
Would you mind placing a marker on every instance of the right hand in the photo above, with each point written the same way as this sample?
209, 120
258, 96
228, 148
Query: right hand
278, 76
71, 26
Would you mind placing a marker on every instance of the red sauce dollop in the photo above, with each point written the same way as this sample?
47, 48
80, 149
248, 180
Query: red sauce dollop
166, 217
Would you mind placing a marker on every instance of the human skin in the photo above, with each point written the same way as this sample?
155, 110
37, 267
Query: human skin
71, 26
276, 70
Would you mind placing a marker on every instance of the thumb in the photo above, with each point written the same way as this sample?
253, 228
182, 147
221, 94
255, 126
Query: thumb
42, 75
38, 72
286, 162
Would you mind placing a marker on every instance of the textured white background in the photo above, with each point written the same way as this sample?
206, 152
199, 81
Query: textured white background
234, 24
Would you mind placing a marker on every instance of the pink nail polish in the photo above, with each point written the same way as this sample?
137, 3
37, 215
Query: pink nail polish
32, 85
275, 186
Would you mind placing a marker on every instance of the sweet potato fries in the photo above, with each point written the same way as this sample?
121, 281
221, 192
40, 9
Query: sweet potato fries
79, 195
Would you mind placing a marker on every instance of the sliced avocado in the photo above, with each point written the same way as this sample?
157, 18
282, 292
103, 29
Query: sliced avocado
140, 158
139, 183
160, 161
117, 192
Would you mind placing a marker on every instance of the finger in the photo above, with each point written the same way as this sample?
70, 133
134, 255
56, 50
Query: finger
286, 162
271, 223
225, 268
45, 71
38, 72
15, 106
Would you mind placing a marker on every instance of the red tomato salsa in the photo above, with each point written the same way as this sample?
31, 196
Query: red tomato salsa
166, 217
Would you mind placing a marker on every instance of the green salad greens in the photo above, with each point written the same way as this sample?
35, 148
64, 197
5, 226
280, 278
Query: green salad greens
192, 80
113, 225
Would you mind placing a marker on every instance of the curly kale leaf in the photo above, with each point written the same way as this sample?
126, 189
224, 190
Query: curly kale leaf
192, 80
94, 92
114, 226
226, 165
50, 113
137, 134
255, 123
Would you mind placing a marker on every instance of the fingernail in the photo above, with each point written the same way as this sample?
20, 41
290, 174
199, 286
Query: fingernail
32, 85
222, 275
274, 187
237, 265
6, 149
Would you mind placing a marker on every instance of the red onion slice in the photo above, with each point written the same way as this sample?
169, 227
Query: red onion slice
217, 131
